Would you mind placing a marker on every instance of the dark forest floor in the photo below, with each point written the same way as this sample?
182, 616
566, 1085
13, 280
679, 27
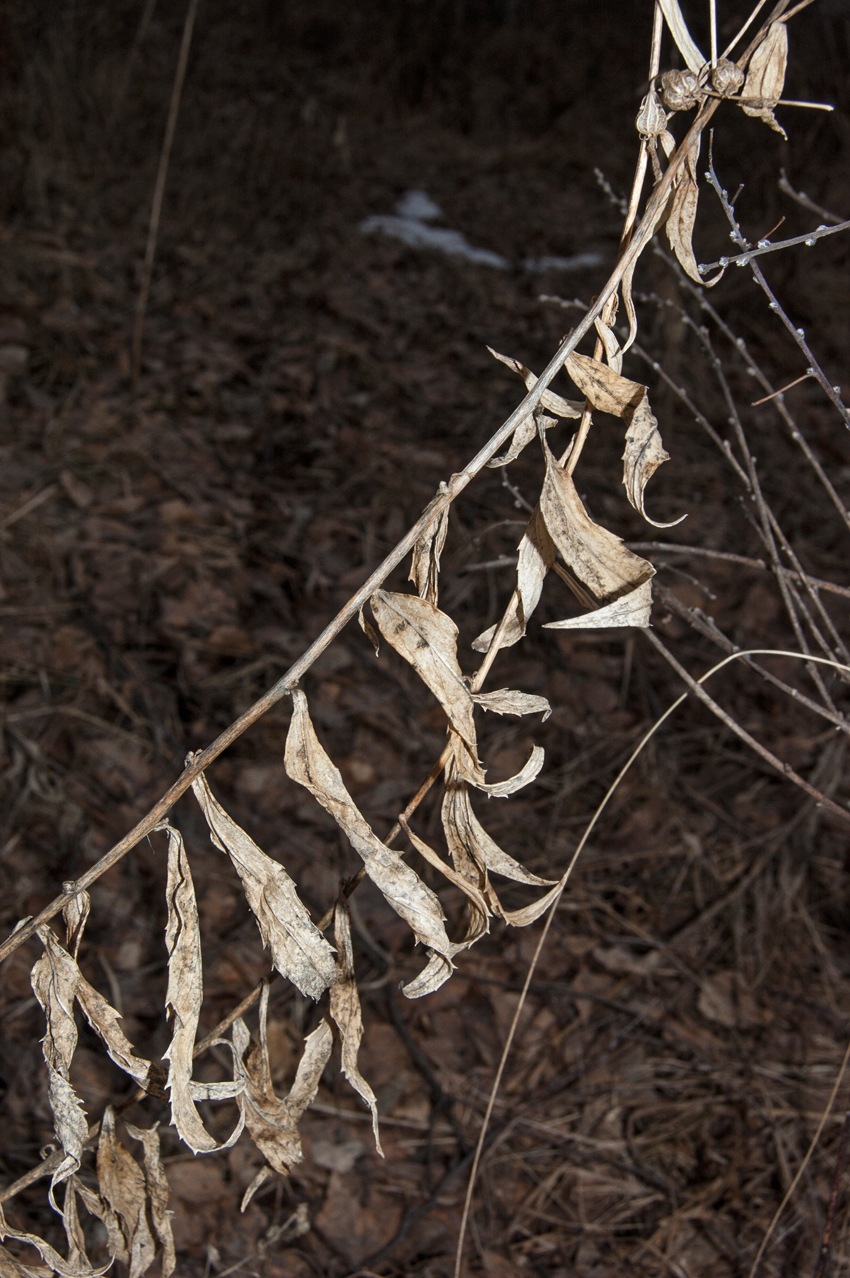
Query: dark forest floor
164, 558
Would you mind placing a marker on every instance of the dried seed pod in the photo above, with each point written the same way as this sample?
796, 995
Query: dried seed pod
651, 119
726, 77
766, 76
680, 90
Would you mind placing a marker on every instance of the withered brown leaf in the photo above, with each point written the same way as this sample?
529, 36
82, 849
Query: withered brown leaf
345, 1013
612, 393
427, 639
307, 763
509, 701
425, 563
54, 984
75, 914
683, 212
183, 999
766, 77
536, 556
632, 609
479, 911
156, 1183
122, 1185
77, 1264
299, 951
597, 557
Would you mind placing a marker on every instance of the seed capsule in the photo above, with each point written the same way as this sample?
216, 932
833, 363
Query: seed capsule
680, 90
726, 77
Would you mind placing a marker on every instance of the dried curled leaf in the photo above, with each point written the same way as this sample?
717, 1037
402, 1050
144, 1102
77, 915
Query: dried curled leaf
613, 351
474, 853
479, 912
122, 1185
766, 77
596, 556
345, 1012
536, 556
683, 212
75, 914
103, 1019
508, 701
536, 422
609, 392
77, 1265
299, 951
54, 984
183, 999
307, 763
158, 1191
427, 639
632, 609
425, 564
271, 1121
369, 631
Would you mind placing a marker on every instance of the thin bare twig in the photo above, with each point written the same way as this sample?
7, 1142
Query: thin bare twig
765, 246
801, 198
158, 195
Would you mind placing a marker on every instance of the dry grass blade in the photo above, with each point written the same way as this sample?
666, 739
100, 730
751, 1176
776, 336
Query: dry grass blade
299, 951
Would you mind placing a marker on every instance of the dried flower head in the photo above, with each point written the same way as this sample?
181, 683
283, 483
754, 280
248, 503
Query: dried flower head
726, 77
680, 90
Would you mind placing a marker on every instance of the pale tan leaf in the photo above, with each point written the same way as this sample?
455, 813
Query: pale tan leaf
122, 1185
369, 631
103, 1018
79, 1268
536, 556
549, 399
12, 1268
104, 1213
632, 609
643, 454
425, 564
683, 213
472, 850
479, 911
273, 1122
531, 913
680, 33
265, 1173
508, 701
345, 1012
54, 985
299, 951
596, 556
766, 76
527, 774
611, 345
183, 998
75, 914
308, 764
158, 1192
427, 639
528, 429
605, 389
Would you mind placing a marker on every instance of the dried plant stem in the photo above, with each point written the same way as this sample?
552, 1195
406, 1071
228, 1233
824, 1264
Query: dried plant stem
784, 769
694, 685
801, 198
833, 393
441, 502
837, 1176
671, 547
804, 1164
158, 195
